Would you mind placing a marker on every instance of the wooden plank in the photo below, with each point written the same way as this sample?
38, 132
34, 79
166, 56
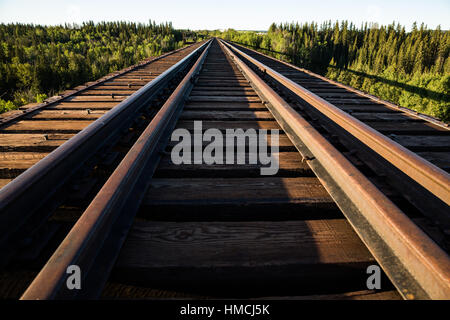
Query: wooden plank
116, 290
320, 86
11, 139
289, 164
221, 73
289, 72
283, 142
225, 69
80, 98
145, 76
146, 71
225, 106
223, 83
10, 113
355, 101
124, 87
143, 72
30, 126
271, 189
124, 82
14, 282
243, 88
222, 125
334, 94
20, 160
310, 252
223, 99
305, 78
73, 105
237, 199
218, 73
28, 142
69, 114
407, 127
59, 136
355, 295
226, 115
365, 108
383, 116
440, 159
321, 89
224, 78
103, 91
224, 93
4, 182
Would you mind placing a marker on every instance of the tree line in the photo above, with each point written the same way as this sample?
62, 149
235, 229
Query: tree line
38, 61
411, 69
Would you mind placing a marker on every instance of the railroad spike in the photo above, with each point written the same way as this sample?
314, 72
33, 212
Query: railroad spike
307, 158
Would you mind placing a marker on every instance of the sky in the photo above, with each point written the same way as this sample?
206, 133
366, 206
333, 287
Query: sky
237, 14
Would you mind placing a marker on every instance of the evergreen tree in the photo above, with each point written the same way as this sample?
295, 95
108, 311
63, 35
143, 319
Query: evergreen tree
38, 60
417, 60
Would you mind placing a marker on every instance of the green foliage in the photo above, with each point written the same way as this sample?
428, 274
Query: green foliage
40, 97
411, 69
6, 106
36, 61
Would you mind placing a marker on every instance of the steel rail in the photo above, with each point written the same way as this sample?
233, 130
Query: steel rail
81, 245
432, 178
20, 198
59, 98
388, 104
426, 265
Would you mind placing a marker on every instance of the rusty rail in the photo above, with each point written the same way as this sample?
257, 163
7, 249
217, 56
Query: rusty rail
432, 178
388, 104
114, 204
389, 234
20, 198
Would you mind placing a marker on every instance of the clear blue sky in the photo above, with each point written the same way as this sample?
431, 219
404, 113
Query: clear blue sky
208, 14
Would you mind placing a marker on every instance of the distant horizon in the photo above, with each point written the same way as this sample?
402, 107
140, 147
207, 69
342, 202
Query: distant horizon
370, 24
234, 14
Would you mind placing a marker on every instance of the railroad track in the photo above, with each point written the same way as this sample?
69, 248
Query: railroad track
310, 229
31, 133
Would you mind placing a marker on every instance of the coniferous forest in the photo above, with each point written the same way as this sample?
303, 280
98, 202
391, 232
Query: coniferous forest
408, 68
411, 69
38, 61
